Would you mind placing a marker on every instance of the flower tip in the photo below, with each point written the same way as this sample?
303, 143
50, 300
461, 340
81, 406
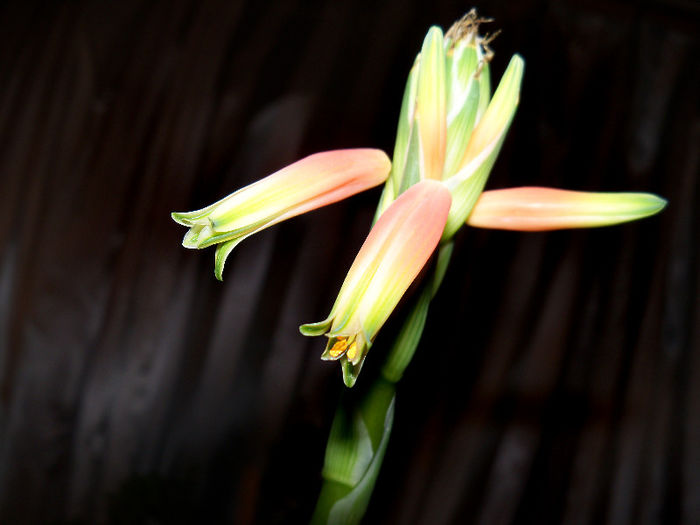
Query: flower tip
625, 207
434, 34
655, 204
180, 218
517, 62
350, 372
511, 81
187, 218
383, 162
219, 263
193, 239
223, 250
315, 329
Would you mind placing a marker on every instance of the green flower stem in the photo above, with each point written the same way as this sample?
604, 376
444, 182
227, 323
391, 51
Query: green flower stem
410, 334
354, 454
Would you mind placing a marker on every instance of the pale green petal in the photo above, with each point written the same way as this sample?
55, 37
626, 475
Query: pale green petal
468, 183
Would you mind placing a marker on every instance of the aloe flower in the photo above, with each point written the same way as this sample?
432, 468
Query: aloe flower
451, 130
395, 251
540, 209
310, 183
449, 135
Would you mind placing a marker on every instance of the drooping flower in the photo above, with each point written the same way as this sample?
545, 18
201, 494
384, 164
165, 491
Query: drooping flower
541, 209
397, 248
312, 182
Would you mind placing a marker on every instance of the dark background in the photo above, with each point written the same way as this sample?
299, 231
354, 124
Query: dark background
559, 376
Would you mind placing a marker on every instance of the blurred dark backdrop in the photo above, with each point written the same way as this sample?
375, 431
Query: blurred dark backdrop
559, 377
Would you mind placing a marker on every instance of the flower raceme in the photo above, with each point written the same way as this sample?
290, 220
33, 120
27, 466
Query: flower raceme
450, 128
310, 183
449, 134
395, 251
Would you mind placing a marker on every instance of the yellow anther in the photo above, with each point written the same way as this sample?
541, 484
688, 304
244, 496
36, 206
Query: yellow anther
339, 347
352, 351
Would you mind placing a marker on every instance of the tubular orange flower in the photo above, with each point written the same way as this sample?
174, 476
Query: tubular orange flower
540, 209
312, 182
397, 248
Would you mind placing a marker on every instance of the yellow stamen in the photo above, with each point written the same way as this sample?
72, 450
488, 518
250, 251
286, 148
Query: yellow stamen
339, 347
352, 351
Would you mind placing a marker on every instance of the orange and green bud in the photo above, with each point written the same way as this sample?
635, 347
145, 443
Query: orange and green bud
484, 145
397, 248
466, 81
542, 209
447, 92
450, 129
310, 183
431, 110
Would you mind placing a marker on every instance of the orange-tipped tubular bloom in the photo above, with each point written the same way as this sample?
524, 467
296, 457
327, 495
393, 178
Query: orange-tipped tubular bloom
541, 209
397, 248
312, 182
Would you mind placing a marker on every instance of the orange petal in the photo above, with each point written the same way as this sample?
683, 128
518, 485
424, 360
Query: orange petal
395, 251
